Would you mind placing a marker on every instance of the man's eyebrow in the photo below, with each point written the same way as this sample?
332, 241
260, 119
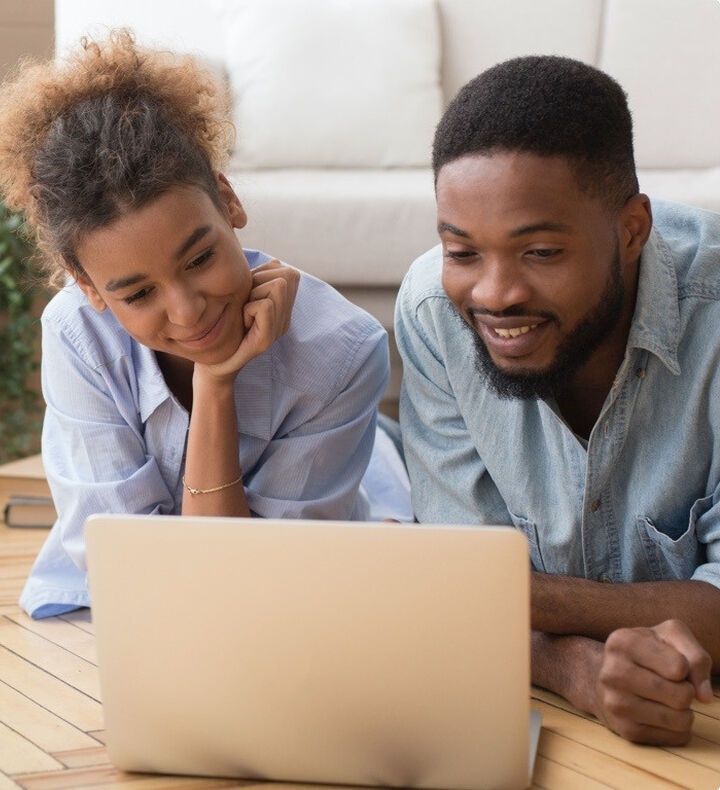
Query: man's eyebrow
443, 226
123, 282
192, 239
557, 227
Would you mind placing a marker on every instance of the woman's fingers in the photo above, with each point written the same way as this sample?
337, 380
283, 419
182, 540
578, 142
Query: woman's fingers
278, 282
266, 314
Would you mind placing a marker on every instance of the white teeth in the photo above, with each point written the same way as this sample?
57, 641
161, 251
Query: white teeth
515, 331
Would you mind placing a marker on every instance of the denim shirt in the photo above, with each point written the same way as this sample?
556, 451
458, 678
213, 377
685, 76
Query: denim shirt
640, 500
114, 435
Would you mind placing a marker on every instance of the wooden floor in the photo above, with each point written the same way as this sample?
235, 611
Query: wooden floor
51, 725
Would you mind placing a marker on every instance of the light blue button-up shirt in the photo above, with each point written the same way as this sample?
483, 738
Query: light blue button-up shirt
114, 435
641, 499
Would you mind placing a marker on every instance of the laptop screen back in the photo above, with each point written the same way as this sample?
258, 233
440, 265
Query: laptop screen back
376, 654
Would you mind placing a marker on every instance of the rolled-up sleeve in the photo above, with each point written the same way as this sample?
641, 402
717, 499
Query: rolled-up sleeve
95, 459
93, 447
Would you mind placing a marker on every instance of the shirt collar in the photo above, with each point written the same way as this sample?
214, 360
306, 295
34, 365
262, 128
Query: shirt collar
656, 322
253, 390
152, 389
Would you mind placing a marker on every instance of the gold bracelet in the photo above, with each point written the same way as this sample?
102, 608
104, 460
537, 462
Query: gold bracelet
194, 491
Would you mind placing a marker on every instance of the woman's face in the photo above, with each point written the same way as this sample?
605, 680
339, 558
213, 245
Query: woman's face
173, 273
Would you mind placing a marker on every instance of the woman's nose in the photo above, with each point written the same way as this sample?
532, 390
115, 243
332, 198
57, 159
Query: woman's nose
184, 306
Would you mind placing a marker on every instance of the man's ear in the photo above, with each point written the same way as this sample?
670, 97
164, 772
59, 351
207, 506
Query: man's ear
233, 207
90, 291
636, 223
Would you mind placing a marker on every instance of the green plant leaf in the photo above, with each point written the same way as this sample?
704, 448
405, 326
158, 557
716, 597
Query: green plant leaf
20, 405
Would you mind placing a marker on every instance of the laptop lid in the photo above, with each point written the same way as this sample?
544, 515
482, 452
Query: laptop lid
373, 654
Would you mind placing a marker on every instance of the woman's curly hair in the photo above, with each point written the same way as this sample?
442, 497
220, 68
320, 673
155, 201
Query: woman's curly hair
106, 132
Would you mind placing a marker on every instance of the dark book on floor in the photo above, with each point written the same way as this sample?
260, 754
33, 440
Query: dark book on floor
25, 511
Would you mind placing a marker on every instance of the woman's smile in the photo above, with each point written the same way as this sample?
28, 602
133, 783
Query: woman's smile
208, 336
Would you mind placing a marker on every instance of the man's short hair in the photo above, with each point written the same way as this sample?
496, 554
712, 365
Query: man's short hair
549, 106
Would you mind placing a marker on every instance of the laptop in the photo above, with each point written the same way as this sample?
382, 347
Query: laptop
377, 654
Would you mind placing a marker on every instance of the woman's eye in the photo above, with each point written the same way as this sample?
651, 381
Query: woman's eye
141, 294
458, 255
195, 262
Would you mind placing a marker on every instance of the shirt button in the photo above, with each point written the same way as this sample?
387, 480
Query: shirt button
640, 373
595, 506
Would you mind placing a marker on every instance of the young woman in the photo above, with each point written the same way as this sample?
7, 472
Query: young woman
181, 373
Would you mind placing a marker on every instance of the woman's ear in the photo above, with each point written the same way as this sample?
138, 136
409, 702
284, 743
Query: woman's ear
233, 207
90, 291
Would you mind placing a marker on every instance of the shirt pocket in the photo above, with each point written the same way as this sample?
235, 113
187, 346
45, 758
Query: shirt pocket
673, 557
529, 529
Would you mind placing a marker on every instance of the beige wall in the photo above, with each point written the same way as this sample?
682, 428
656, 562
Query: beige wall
26, 28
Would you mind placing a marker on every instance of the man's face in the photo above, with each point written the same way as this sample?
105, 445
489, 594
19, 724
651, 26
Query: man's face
533, 266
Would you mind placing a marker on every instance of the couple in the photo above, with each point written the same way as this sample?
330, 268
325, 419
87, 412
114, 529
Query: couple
559, 349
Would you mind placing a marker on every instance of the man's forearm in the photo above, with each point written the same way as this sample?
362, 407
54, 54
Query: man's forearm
565, 605
566, 665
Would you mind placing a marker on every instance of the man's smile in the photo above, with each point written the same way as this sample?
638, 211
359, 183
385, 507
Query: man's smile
516, 336
515, 331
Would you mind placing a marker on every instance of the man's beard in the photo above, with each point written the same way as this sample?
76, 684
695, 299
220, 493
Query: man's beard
571, 354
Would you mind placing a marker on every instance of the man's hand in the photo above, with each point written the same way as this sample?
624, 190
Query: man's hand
646, 680
267, 315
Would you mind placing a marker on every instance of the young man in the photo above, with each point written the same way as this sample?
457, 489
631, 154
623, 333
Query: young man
562, 374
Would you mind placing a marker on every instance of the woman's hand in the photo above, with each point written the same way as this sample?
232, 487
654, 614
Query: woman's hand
267, 315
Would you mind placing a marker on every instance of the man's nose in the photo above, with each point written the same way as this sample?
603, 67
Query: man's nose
501, 283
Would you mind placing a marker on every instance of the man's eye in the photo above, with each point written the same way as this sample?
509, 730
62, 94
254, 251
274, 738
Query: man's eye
141, 294
544, 253
195, 262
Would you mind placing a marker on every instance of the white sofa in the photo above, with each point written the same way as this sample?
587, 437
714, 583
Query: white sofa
336, 101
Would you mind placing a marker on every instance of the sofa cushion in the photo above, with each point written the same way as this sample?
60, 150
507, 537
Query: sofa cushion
665, 55
349, 227
333, 83
476, 35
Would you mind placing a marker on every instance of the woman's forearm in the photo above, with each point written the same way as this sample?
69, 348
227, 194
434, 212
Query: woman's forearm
212, 460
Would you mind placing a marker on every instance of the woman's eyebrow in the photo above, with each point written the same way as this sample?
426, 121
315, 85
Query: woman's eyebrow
192, 239
123, 282
446, 226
